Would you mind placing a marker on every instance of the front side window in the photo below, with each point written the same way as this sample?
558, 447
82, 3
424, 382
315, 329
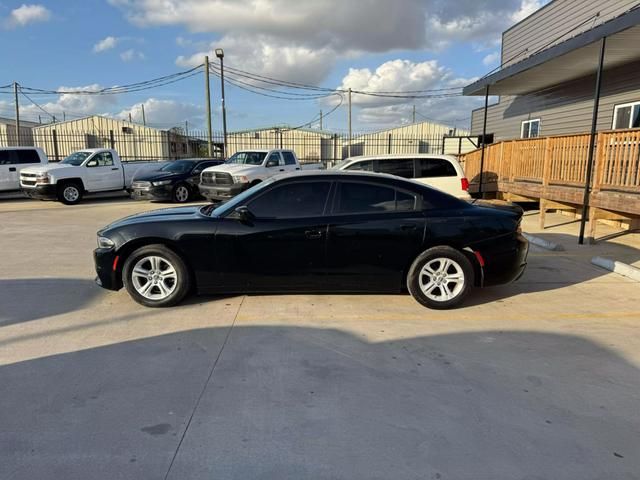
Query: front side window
626, 116
293, 200
530, 128
434, 167
103, 159
400, 167
368, 198
273, 160
289, 158
247, 158
28, 156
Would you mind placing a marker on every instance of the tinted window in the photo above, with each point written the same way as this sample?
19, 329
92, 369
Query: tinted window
366, 165
365, 198
293, 200
273, 160
405, 201
8, 157
28, 156
401, 167
435, 167
289, 158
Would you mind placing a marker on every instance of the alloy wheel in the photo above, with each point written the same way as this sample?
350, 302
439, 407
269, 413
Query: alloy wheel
441, 279
154, 277
182, 193
71, 193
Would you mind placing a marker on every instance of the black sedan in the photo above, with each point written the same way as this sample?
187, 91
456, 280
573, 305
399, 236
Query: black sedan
177, 181
316, 232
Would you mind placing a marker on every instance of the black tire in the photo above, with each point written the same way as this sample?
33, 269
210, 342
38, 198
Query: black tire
442, 289
254, 183
178, 193
70, 193
141, 258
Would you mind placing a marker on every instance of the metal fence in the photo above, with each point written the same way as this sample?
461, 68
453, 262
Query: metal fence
310, 145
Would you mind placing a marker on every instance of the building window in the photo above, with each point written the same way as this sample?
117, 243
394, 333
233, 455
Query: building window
626, 116
530, 128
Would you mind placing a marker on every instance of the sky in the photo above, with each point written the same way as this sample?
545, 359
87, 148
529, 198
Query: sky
366, 45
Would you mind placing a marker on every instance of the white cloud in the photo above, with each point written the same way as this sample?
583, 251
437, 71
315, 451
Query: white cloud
164, 113
105, 44
131, 55
26, 14
491, 59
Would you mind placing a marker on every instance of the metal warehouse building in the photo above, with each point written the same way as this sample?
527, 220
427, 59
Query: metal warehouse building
132, 141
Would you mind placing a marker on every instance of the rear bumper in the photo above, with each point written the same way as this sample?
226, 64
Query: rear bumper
506, 262
41, 192
108, 269
217, 193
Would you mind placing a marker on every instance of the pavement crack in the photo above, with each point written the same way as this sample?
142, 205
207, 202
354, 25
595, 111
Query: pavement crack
204, 388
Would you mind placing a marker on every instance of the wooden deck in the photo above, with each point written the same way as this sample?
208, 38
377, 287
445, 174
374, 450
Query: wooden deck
553, 171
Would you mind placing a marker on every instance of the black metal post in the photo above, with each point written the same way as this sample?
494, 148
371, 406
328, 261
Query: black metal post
484, 136
224, 109
592, 141
112, 140
55, 145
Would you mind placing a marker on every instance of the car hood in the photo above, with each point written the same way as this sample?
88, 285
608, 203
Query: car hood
163, 214
46, 168
233, 169
158, 176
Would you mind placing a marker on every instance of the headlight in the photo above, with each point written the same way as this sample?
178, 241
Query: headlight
160, 183
104, 242
43, 178
240, 179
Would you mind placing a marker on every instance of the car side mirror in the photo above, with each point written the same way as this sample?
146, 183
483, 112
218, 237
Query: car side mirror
92, 163
244, 214
272, 163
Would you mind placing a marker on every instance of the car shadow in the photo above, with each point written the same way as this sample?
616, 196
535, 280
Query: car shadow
291, 402
26, 299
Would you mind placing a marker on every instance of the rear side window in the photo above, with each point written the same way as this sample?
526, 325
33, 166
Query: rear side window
28, 156
400, 167
434, 167
293, 200
369, 198
8, 157
366, 165
289, 158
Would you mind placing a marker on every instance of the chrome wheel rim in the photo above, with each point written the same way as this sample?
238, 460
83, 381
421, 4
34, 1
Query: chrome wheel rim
182, 194
441, 279
154, 277
71, 194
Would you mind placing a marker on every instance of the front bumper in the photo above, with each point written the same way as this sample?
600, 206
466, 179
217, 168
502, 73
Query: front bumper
108, 269
217, 193
163, 192
41, 192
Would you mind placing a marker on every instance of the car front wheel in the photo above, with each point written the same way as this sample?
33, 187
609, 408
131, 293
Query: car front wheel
70, 193
440, 277
155, 276
181, 193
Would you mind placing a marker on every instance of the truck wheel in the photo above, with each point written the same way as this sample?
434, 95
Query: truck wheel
70, 193
181, 193
155, 276
440, 277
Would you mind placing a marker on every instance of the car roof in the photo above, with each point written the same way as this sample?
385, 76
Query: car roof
392, 156
20, 148
347, 174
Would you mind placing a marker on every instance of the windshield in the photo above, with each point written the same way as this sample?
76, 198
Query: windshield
237, 201
76, 158
247, 158
179, 166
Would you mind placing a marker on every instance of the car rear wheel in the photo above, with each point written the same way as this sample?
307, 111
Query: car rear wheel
155, 276
70, 193
181, 193
440, 277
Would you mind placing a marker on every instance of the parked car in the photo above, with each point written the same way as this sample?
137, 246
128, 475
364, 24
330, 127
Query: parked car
13, 160
247, 168
316, 231
440, 171
176, 181
83, 172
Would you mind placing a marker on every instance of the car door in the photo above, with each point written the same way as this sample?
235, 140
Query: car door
290, 164
103, 174
375, 232
275, 163
283, 246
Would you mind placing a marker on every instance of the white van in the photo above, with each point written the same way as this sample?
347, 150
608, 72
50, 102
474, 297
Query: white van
14, 159
440, 171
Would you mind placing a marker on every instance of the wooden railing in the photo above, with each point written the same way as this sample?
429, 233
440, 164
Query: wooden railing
561, 161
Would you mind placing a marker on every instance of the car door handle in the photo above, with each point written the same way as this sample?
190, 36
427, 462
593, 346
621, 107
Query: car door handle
115, 168
407, 227
297, 168
313, 234
12, 169
282, 169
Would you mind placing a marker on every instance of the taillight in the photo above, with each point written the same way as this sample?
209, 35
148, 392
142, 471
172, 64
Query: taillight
465, 184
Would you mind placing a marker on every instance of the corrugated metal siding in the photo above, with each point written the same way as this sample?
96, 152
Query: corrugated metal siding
564, 109
553, 24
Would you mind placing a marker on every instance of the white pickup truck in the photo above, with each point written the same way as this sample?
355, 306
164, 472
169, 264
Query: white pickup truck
93, 170
247, 168
15, 159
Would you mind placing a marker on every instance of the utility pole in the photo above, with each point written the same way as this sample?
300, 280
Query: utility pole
220, 55
130, 118
40, 119
15, 93
207, 94
64, 116
320, 119
144, 117
414, 114
349, 122
186, 128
